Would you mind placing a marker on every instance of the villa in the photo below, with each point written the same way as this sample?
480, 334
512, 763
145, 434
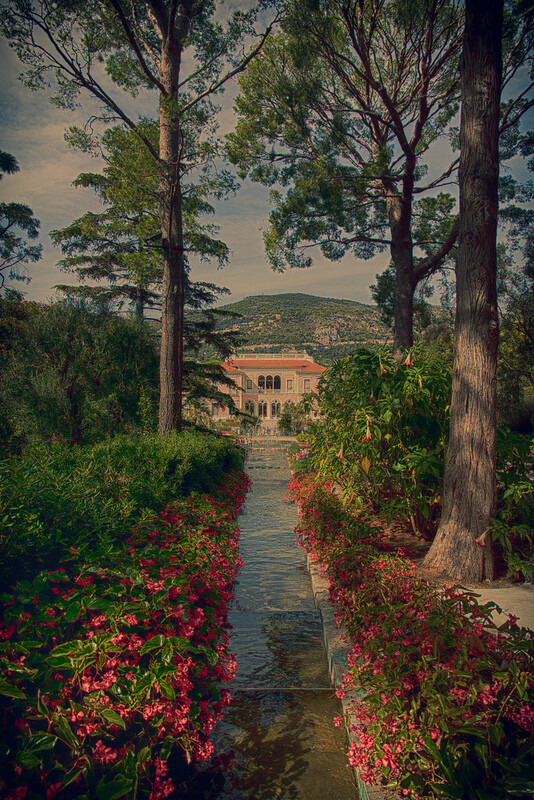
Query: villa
267, 381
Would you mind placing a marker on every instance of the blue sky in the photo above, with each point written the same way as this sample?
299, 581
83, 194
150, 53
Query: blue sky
32, 130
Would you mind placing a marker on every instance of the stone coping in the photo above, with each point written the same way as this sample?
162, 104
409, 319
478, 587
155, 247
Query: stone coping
337, 651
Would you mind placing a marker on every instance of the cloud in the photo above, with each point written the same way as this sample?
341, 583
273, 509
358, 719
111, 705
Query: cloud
33, 131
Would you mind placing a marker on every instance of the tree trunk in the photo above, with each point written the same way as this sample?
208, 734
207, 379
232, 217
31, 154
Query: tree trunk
139, 303
462, 548
172, 315
399, 213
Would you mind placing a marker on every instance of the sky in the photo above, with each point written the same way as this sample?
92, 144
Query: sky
32, 129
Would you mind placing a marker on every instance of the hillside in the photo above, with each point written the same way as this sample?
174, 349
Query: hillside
327, 328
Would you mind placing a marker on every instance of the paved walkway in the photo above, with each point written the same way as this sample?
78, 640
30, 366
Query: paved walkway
517, 599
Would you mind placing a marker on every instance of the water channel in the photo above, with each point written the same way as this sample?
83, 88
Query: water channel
277, 739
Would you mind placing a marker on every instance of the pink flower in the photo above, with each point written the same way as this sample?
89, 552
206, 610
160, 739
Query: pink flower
408, 361
18, 794
103, 754
524, 717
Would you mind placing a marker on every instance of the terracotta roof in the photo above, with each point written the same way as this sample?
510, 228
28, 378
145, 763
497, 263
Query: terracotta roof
242, 365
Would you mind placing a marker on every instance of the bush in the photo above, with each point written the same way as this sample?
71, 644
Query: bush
298, 455
75, 374
513, 528
382, 438
447, 697
115, 658
382, 434
53, 497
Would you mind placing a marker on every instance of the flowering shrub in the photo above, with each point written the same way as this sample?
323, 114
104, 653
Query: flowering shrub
382, 437
382, 434
109, 662
447, 697
298, 458
54, 497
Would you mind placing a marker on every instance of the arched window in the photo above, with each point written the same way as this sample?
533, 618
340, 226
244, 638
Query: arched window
261, 382
249, 406
269, 382
262, 409
275, 409
277, 382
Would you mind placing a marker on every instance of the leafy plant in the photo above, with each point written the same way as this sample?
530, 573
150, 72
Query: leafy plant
113, 659
54, 498
513, 527
381, 434
446, 703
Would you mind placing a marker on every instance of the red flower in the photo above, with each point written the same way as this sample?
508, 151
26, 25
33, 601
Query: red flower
408, 361
367, 437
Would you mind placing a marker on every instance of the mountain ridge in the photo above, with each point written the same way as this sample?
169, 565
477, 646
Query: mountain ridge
326, 328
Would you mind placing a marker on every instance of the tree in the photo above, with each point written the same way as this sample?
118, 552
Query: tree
344, 109
342, 115
120, 248
14, 219
105, 250
77, 374
462, 548
143, 45
515, 372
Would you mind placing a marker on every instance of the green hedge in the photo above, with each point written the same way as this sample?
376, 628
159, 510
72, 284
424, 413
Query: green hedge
53, 498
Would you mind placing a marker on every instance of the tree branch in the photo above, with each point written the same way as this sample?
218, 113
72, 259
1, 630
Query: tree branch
135, 47
431, 264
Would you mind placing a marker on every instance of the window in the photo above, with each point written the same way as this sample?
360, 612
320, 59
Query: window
262, 409
306, 384
269, 382
261, 381
249, 384
249, 406
277, 382
290, 385
275, 409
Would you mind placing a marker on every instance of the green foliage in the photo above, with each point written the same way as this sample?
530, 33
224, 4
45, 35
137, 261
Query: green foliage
298, 456
515, 386
383, 292
76, 374
120, 247
333, 115
513, 528
445, 704
54, 498
382, 434
382, 437
293, 419
17, 224
116, 657
147, 46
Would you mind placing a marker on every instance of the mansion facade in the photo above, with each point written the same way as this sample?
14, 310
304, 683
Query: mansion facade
267, 381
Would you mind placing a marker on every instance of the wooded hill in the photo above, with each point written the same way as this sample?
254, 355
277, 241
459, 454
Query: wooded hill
327, 328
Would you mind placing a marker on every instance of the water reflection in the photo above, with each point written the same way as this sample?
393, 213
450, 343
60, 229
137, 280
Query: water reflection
277, 739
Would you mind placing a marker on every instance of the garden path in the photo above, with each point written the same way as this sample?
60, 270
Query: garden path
277, 739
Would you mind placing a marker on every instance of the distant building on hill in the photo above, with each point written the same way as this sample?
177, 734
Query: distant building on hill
267, 381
